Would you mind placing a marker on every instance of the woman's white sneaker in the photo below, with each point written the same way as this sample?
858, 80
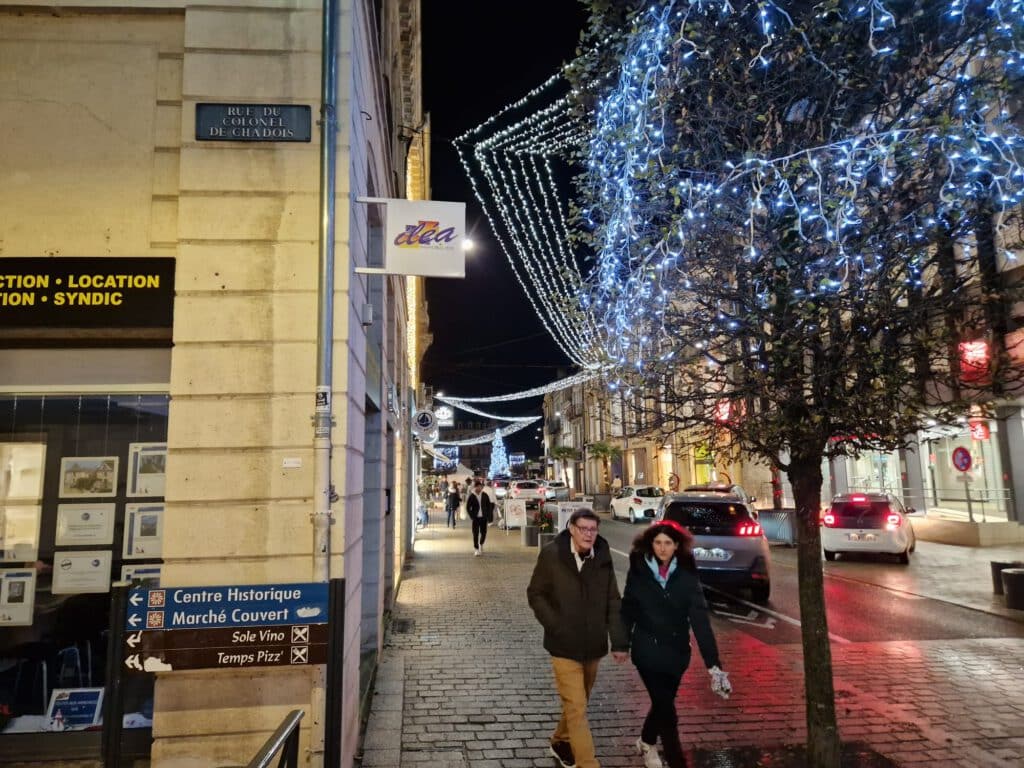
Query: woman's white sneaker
649, 753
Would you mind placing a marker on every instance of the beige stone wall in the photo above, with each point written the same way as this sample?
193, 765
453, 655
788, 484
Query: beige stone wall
244, 363
87, 168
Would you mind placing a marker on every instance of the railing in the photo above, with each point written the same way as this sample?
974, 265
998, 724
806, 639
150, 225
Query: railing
991, 503
284, 740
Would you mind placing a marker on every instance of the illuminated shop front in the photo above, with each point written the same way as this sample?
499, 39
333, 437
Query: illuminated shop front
980, 491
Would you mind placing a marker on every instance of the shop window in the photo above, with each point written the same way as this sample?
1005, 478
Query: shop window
81, 507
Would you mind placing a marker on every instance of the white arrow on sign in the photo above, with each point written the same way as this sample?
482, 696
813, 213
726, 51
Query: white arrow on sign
134, 640
132, 662
135, 599
134, 620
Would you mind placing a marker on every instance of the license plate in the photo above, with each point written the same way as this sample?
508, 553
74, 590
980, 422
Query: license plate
860, 536
715, 554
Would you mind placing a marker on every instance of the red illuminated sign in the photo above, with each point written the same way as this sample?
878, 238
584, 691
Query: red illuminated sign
974, 360
979, 429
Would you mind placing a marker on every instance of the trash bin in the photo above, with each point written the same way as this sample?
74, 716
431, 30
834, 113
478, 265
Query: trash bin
1013, 586
530, 533
997, 573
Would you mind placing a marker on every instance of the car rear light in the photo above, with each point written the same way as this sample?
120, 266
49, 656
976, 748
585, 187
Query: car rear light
749, 529
637, 501
858, 498
892, 521
828, 520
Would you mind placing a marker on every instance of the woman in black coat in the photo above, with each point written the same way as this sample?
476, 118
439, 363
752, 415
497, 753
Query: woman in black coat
662, 602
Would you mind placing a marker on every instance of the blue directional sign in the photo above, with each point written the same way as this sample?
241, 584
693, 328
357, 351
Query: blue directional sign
238, 605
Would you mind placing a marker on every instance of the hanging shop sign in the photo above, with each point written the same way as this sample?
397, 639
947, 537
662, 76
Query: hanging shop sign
74, 299
421, 237
979, 429
253, 122
424, 423
445, 416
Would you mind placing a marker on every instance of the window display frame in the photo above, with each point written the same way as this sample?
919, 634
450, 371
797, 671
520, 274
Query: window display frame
53, 430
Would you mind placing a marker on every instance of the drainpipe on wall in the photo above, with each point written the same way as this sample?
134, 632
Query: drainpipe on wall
323, 492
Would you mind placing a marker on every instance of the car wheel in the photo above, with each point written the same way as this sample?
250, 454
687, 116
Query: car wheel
830, 556
632, 517
760, 593
905, 557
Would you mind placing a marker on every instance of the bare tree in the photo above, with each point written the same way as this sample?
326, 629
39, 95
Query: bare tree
803, 219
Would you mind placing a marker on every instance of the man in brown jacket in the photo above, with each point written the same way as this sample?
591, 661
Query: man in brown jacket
574, 595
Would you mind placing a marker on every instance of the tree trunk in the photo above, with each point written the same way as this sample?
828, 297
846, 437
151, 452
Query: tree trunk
822, 732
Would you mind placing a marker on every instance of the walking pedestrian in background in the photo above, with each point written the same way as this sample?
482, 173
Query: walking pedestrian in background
478, 508
574, 595
663, 600
451, 503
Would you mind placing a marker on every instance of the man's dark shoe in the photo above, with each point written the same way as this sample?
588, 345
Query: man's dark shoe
563, 753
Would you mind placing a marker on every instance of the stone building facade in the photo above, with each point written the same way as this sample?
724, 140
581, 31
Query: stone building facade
104, 163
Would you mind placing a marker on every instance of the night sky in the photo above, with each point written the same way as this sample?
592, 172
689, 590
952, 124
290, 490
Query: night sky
477, 58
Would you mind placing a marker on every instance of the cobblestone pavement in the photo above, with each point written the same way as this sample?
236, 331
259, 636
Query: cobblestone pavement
465, 682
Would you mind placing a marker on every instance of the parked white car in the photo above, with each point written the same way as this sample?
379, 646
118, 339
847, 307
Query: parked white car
637, 502
867, 522
530, 491
556, 490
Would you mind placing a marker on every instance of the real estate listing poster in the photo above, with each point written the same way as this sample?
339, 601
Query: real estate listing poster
143, 531
17, 596
81, 572
88, 476
85, 524
147, 463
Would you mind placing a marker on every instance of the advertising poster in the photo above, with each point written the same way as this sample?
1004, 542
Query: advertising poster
85, 476
515, 513
81, 572
565, 510
84, 524
19, 533
147, 464
17, 597
74, 709
143, 531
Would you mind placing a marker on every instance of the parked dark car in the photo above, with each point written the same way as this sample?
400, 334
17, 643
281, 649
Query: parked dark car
728, 544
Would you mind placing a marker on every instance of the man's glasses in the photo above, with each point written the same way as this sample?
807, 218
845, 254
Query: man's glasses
586, 530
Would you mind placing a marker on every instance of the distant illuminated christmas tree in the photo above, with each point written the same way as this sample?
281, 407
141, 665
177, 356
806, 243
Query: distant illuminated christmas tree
499, 457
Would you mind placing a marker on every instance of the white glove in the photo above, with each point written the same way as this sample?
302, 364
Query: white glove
720, 682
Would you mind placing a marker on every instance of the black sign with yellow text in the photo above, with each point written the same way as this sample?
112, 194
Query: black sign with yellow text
74, 298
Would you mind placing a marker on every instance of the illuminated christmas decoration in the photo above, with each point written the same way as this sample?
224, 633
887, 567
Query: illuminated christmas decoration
499, 458
555, 386
654, 198
516, 162
488, 436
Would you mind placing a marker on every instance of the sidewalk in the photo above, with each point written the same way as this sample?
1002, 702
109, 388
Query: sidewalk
464, 681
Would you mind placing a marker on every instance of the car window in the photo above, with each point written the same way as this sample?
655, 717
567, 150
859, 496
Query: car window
526, 486
865, 508
707, 517
648, 493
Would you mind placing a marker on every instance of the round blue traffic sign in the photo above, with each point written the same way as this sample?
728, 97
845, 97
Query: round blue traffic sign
962, 459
